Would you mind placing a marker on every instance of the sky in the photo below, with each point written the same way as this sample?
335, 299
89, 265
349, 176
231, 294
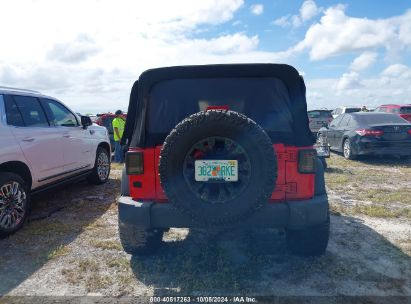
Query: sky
89, 53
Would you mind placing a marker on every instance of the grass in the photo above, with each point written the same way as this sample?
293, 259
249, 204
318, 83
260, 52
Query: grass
117, 166
387, 187
88, 265
47, 228
58, 252
72, 276
107, 245
373, 210
384, 195
336, 179
87, 271
97, 281
376, 211
119, 263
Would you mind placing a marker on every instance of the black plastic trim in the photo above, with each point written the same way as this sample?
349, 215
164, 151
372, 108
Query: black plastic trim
62, 182
290, 215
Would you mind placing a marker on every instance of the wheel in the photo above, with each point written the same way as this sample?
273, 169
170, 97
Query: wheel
125, 187
311, 241
323, 162
218, 135
101, 169
347, 149
14, 203
137, 241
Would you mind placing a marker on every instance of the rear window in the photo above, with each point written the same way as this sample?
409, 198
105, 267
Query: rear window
319, 114
379, 119
352, 110
108, 123
405, 110
265, 100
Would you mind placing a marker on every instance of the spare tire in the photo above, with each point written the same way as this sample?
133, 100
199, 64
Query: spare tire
218, 135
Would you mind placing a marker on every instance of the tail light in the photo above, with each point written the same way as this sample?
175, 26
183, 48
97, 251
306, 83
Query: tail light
367, 132
409, 131
134, 163
307, 160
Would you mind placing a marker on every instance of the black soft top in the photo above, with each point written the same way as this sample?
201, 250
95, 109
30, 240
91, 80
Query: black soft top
135, 133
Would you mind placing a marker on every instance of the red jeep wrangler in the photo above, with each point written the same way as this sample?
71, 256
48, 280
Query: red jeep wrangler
221, 146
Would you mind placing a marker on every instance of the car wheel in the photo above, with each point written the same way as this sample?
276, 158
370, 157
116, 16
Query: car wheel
125, 187
101, 170
311, 241
323, 162
347, 149
218, 135
138, 241
14, 203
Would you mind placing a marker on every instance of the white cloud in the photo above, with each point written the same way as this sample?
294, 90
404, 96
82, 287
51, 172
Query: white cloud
74, 51
282, 21
364, 61
348, 81
389, 86
90, 57
257, 9
308, 10
398, 70
337, 33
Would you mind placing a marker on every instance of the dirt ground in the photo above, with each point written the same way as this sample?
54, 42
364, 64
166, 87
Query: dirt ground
71, 246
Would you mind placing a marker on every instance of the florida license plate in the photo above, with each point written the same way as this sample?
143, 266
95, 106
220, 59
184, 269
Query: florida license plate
209, 170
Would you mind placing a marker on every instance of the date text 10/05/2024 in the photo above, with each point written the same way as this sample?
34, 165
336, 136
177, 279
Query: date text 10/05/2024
200, 299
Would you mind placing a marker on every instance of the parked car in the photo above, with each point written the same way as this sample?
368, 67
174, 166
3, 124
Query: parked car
342, 110
44, 144
402, 110
221, 146
318, 118
369, 133
106, 120
93, 117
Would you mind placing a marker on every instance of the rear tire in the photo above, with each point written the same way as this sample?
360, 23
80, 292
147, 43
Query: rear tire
347, 149
311, 241
218, 134
21, 201
125, 187
324, 163
101, 169
138, 241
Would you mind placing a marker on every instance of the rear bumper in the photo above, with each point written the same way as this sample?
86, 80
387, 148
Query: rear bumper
291, 215
364, 148
375, 146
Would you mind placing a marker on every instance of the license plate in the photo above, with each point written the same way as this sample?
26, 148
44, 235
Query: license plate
209, 170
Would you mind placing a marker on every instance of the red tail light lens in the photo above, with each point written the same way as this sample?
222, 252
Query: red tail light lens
409, 131
367, 132
307, 160
134, 163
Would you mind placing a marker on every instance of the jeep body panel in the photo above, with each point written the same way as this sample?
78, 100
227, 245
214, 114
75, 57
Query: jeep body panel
290, 185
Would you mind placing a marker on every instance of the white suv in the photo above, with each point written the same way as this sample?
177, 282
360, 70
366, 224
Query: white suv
44, 144
343, 110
